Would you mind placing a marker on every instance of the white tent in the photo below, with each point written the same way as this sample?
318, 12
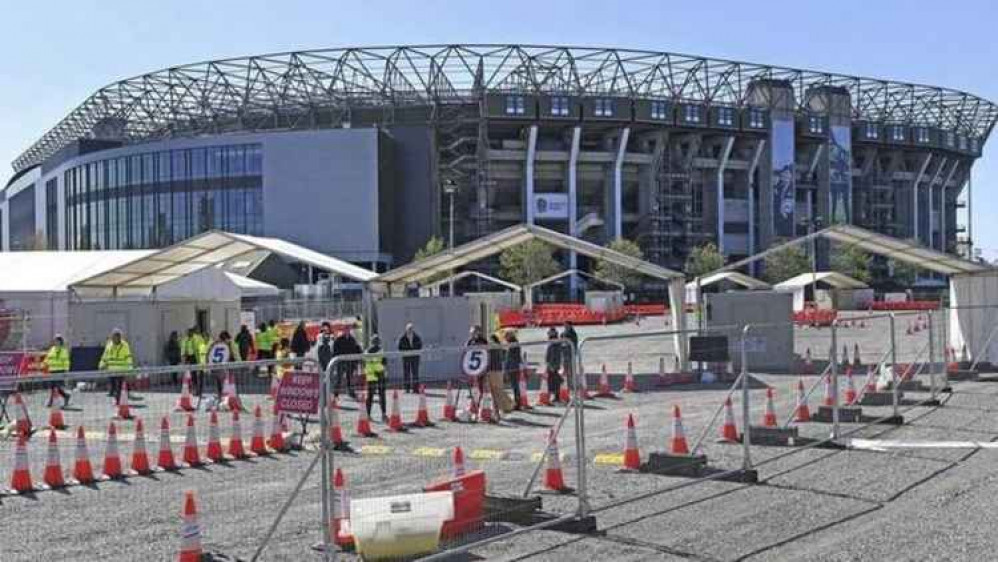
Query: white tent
834, 279
735, 277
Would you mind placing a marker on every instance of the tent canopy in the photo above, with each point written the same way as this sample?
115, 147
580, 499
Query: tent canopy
833, 278
214, 248
498, 241
736, 277
52, 272
562, 274
458, 276
252, 287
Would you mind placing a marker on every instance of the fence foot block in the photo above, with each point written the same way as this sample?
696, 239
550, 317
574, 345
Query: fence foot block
675, 465
879, 398
913, 386
931, 402
773, 436
847, 414
578, 526
892, 420
963, 375
516, 510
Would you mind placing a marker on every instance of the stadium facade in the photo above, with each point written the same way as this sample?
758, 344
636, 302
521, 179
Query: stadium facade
357, 152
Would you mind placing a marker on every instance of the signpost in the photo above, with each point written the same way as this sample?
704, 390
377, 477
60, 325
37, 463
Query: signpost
219, 353
298, 393
10, 369
475, 361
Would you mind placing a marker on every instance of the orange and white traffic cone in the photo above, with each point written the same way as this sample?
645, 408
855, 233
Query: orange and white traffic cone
485, 410
808, 362
56, 420
564, 395
769, 416
802, 413
191, 454
53, 477
679, 445
112, 460
20, 480
554, 478
236, 449
829, 399
422, 414
363, 421
190, 531
185, 403
342, 534
629, 384
276, 440
543, 395
604, 390
450, 412
851, 395
871, 379
140, 459
729, 431
214, 448
230, 396
165, 458
395, 416
335, 430
83, 471
124, 412
258, 445
524, 396
632, 456
457, 462
23, 423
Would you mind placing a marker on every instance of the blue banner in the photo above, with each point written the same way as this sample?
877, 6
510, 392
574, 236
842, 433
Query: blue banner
783, 180
840, 175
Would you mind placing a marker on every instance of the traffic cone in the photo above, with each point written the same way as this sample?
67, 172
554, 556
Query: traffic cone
485, 410
20, 480
604, 390
342, 534
276, 441
870, 385
165, 459
829, 399
769, 416
112, 461
851, 395
554, 478
801, 413
214, 448
191, 455
56, 420
395, 416
422, 414
236, 449
564, 395
450, 412
190, 531
524, 396
629, 384
140, 459
808, 363
632, 456
543, 395
363, 422
83, 471
23, 423
335, 430
679, 445
184, 403
230, 396
258, 444
124, 412
856, 361
457, 462
729, 431
53, 465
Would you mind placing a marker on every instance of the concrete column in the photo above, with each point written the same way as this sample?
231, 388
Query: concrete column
573, 204
722, 163
528, 181
914, 197
932, 186
751, 201
617, 228
677, 306
942, 206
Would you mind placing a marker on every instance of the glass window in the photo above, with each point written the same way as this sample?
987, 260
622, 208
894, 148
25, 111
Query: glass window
950, 138
254, 160
559, 106
726, 116
922, 135
52, 214
815, 124
603, 108
691, 113
197, 162
897, 133
215, 162
237, 161
515, 105
871, 132
963, 142
659, 110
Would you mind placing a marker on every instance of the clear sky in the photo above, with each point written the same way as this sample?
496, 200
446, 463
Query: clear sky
59, 52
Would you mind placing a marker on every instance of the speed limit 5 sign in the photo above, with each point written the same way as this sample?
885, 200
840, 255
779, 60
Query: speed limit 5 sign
475, 361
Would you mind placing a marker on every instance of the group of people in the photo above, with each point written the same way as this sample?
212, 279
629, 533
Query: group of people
116, 357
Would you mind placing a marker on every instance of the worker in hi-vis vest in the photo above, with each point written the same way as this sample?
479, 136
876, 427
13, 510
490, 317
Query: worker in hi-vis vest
374, 373
57, 364
117, 357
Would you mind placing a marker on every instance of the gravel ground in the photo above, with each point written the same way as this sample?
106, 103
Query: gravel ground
811, 504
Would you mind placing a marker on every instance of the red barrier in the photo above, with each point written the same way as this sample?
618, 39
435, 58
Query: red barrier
905, 305
645, 309
815, 317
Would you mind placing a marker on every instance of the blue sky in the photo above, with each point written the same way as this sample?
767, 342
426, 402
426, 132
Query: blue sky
59, 52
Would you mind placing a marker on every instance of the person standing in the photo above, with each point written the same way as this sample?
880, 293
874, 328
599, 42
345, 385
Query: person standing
172, 353
204, 343
512, 365
117, 357
189, 353
324, 347
345, 344
410, 341
57, 363
374, 374
218, 375
244, 341
552, 360
299, 341
568, 351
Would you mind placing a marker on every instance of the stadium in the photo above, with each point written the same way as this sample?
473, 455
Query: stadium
366, 153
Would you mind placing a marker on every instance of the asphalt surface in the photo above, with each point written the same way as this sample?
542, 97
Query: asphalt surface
810, 504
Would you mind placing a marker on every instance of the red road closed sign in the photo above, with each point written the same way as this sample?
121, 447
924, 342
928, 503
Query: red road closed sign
298, 393
10, 369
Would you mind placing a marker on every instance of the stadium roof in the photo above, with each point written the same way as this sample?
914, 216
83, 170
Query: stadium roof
212, 248
497, 242
833, 278
303, 89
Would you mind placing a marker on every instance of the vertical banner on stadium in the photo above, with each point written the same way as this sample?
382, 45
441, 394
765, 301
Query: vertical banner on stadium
783, 180
840, 175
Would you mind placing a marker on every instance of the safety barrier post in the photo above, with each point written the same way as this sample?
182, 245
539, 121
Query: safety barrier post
833, 356
328, 551
932, 356
895, 383
746, 432
578, 403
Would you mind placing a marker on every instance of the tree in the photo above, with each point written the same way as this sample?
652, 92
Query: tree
902, 274
433, 246
613, 272
526, 263
787, 263
704, 259
852, 261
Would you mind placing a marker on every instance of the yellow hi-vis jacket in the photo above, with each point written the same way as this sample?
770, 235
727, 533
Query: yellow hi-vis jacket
202, 351
374, 369
116, 357
57, 359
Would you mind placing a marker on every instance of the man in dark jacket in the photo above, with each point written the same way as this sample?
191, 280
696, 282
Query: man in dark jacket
324, 347
244, 341
568, 351
512, 365
410, 341
299, 341
552, 361
345, 344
